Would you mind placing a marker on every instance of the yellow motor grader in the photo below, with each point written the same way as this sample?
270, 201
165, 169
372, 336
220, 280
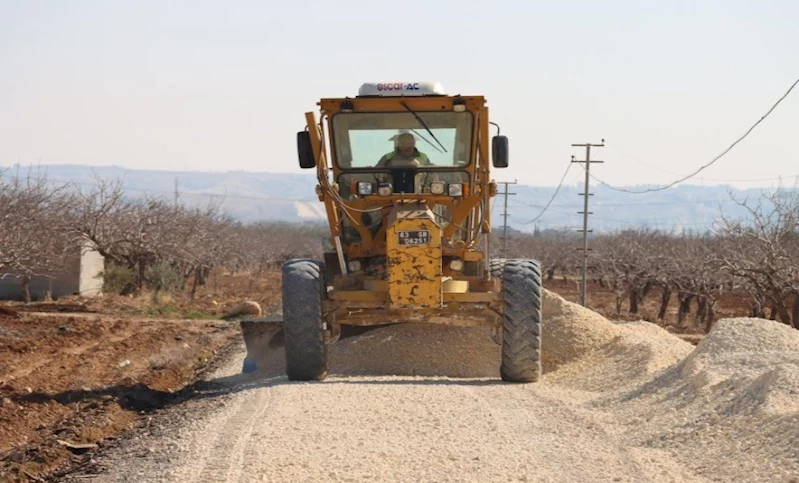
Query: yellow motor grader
404, 173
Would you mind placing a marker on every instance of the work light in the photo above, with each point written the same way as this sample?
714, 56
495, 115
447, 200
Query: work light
437, 188
365, 188
385, 189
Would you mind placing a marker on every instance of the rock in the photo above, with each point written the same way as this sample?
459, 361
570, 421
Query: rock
77, 448
29, 390
63, 328
178, 338
124, 363
247, 307
6, 401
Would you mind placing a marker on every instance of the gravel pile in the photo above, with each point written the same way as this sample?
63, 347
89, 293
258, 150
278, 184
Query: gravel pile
727, 411
571, 331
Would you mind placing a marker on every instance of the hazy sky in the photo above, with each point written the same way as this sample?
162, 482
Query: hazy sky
215, 86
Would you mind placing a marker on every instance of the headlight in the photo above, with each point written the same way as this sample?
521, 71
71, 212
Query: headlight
385, 189
456, 265
456, 189
365, 188
437, 188
354, 266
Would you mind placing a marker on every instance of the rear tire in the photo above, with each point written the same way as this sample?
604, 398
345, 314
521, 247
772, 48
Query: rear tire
521, 324
303, 326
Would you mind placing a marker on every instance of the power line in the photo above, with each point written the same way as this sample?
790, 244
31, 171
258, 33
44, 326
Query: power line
568, 167
701, 168
648, 165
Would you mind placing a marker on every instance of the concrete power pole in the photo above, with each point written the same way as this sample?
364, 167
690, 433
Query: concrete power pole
505, 216
585, 211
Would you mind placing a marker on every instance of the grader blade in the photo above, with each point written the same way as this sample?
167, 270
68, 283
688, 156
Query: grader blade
261, 337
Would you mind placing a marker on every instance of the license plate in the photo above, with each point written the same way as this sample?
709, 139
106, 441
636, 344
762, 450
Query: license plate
421, 237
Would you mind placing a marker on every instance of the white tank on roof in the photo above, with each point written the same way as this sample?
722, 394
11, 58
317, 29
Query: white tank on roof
401, 89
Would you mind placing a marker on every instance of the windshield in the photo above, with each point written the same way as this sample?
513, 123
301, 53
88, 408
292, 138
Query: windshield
399, 139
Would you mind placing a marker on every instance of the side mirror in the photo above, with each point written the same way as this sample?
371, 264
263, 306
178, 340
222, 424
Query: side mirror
499, 151
305, 151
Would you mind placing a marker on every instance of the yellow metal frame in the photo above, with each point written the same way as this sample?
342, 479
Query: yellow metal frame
349, 302
481, 188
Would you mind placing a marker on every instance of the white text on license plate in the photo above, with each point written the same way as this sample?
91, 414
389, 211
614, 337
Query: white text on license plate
421, 237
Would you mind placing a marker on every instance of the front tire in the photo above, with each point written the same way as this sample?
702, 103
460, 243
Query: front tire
521, 325
303, 326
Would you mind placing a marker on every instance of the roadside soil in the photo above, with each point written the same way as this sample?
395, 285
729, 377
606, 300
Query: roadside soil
71, 383
77, 374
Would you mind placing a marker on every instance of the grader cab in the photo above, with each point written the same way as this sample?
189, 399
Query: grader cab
404, 174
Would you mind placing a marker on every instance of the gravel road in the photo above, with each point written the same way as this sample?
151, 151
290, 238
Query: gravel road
618, 402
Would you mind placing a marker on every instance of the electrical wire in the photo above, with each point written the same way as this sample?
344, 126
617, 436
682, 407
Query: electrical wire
562, 179
648, 165
701, 168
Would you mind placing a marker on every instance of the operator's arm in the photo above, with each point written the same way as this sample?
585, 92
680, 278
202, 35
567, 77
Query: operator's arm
424, 160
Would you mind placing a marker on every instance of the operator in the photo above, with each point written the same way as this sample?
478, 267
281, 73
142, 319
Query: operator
404, 154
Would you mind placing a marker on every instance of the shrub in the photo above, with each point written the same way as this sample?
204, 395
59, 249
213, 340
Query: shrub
117, 279
162, 277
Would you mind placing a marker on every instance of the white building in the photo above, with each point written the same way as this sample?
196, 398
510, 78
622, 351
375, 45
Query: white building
82, 275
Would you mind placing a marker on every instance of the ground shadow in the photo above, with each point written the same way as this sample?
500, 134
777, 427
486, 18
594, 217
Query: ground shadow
143, 399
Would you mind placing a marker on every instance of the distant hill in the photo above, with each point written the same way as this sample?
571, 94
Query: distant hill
251, 197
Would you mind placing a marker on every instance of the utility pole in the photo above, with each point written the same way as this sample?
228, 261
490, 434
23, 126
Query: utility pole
505, 216
585, 194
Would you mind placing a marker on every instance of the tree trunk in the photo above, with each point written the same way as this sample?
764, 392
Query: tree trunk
757, 307
202, 275
701, 309
710, 315
635, 295
665, 296
684, 307
26, 289
782, 312
194, 283
140, 276
619, 301
648, 286
773, 314
551, 273
795, 313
